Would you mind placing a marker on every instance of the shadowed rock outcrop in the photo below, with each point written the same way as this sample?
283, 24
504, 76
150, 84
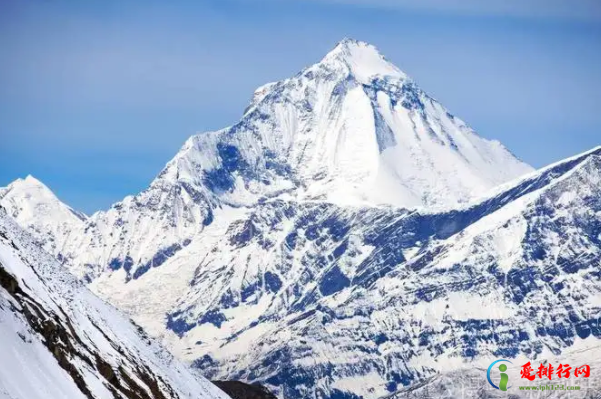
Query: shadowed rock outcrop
240, 390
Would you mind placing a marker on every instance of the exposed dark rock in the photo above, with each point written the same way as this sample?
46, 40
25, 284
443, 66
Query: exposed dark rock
240, 390
62, 341
57, 338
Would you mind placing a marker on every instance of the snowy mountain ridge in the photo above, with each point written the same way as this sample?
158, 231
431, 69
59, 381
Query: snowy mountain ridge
57, 340
347, 238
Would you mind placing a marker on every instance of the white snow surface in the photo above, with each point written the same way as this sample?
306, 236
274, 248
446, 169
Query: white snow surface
96, 330
355, 129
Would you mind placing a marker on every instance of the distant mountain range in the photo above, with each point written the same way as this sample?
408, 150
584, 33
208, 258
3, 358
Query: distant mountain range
347, 238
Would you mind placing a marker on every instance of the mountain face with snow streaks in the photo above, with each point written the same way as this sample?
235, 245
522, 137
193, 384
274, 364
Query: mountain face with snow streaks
347, 238
374, 300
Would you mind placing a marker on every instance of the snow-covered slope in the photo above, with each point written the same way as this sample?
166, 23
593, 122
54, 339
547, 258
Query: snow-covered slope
57, 340
352, 128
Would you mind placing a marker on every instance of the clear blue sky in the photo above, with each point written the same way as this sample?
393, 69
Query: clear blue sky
96, 96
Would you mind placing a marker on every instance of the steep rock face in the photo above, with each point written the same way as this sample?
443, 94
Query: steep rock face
239, 390
57, 340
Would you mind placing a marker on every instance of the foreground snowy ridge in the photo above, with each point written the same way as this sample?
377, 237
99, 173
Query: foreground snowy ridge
347, 238
57, 340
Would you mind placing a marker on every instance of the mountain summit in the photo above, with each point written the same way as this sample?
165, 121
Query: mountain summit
351, 129
363, 61
35, 207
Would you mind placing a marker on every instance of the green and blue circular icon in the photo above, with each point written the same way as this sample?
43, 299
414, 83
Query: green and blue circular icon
504, 377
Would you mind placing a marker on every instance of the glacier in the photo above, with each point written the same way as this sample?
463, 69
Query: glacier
348, 238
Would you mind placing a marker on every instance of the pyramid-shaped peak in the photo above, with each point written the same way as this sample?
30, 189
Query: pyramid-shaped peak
363, 60
32, 191
29, 183
29, 179
350, 42
30, 199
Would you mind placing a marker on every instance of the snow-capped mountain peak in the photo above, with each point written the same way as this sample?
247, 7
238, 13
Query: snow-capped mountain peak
31, 187
37, 197
34, 206
363, 61
352, 128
